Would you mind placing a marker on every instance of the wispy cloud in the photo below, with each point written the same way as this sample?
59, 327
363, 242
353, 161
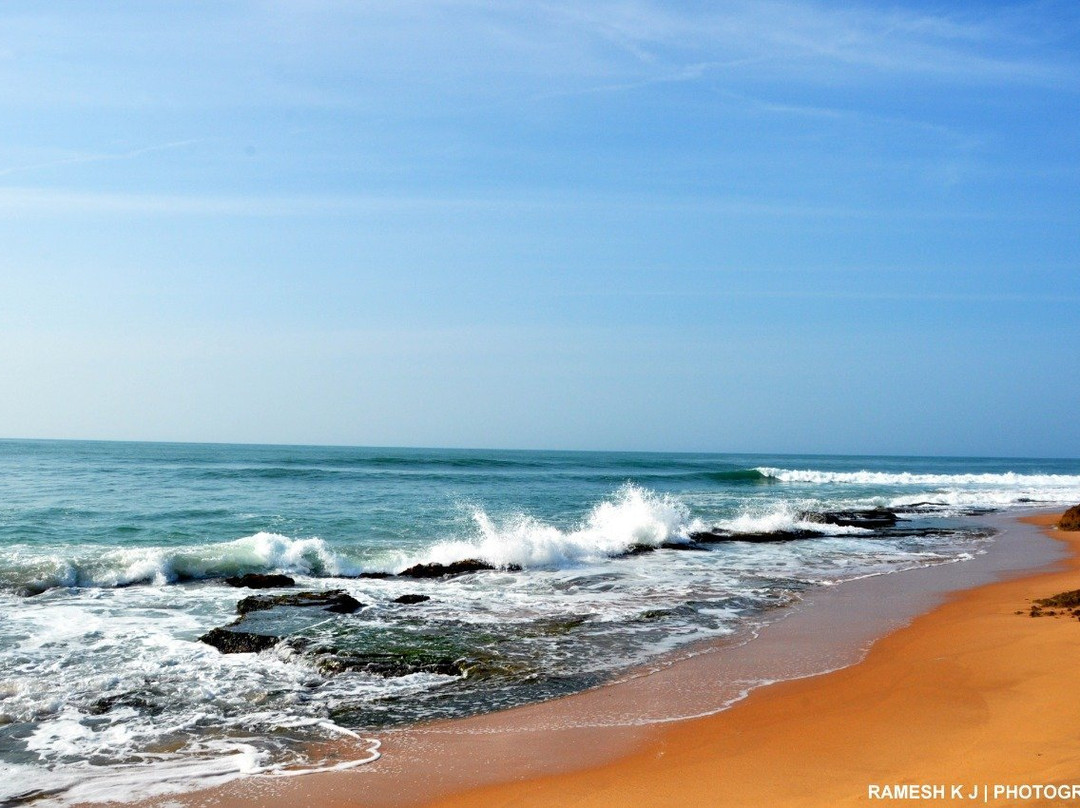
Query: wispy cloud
78, 159
817, 41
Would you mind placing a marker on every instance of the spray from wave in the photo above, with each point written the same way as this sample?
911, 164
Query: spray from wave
634, 517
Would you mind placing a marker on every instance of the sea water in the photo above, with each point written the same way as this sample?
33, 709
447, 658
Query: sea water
113, 558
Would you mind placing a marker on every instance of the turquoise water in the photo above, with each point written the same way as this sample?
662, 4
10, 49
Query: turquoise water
113, 555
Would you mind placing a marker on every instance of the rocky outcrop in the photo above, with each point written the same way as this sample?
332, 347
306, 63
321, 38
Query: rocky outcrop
719, 536
443, 570
337, 601
258, 628
641, 549
230, 641
389, 664
410, 599
255, 580
1070, 520
871, 518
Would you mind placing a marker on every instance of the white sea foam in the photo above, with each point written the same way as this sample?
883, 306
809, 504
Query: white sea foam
261, 552
1004, 490
214, 764
635, 516
783, 517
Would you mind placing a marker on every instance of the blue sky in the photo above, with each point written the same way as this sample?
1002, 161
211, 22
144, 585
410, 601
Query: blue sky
762, 226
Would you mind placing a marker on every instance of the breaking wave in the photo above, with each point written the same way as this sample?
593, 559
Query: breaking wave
32, 572
634, 517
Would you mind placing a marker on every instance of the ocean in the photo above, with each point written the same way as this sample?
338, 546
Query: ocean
114, 560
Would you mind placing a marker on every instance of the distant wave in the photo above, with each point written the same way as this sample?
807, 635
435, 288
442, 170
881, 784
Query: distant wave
738, 476
325, 468
962, 491
1007, 479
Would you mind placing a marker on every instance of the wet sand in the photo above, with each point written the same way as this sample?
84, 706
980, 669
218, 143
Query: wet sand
967, 694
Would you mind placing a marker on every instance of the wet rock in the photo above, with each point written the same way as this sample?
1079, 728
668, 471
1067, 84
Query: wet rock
720, 536
32, 589
410, 599
334, 600
255, 580
443, 570
1070, 520
133, 700
639, 549
871, 518
333, 661
376, 575
229, 641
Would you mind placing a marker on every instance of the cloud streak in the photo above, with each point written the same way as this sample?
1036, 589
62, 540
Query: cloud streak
81, 159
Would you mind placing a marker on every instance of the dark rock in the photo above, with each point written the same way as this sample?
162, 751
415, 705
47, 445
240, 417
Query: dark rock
378, 575
255, 580
443, 570
639, 549
133, 700
409, 599
718, 536
710, 536
32, 589
238, 642
1062, 600
333, 600
387, 665
871, 518
1070, 520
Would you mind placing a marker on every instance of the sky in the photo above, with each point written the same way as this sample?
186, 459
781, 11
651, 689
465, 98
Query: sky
682, 226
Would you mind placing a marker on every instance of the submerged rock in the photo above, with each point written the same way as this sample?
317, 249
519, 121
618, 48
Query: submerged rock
410, 599
229, 641
442, 570
387, 665
333, 600
256, 580
1070, 520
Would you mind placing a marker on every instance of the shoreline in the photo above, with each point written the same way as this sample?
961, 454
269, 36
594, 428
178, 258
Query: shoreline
659, 738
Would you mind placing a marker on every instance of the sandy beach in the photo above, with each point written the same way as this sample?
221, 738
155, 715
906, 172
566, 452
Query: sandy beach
971, 696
